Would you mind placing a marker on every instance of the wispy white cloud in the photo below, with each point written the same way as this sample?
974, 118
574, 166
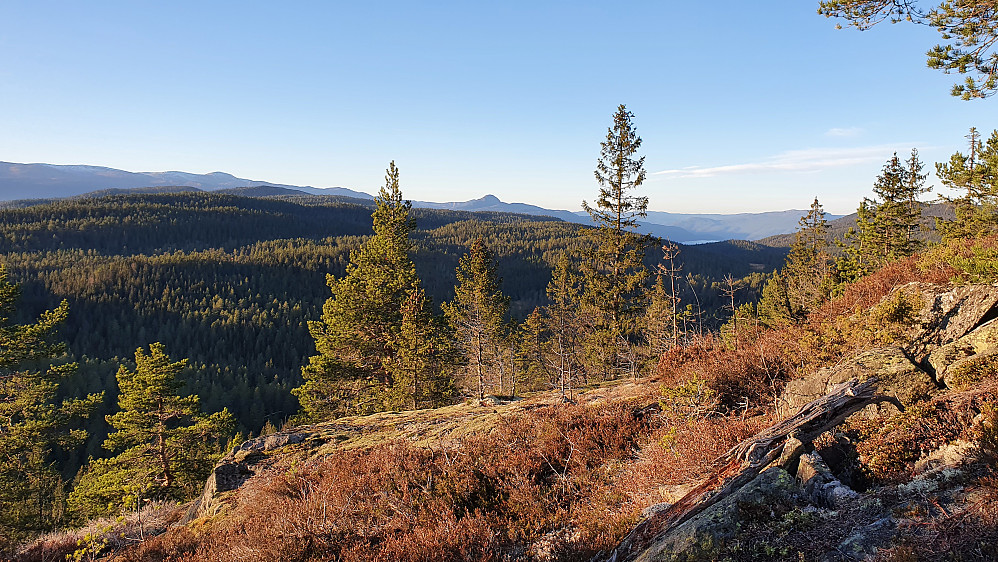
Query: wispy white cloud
844, 132
805, 160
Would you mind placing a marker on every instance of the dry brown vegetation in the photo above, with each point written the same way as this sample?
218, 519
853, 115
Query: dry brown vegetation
750, 377
554, 481
103, 535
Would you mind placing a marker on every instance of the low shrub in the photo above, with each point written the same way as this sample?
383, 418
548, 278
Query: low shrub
103, 536
533, 478
888, 448
964, 260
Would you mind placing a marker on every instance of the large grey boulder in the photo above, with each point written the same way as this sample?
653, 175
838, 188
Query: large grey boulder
949, 313
707, 531
897, 377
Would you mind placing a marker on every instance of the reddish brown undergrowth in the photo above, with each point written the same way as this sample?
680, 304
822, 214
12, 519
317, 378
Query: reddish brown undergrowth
746, 378
538, 486
751, 371
889, 448
681, 455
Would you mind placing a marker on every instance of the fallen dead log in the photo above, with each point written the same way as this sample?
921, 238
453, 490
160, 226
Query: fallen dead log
743, 462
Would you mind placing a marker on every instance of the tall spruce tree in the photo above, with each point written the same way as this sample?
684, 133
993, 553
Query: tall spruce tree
808, 266
886, 225
477, 314
33, 421
165, 446
975, 177
614, 272
532, 343
805, 280
358, 335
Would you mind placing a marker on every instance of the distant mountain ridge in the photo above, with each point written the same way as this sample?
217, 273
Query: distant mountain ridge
22, 181
19, 182
677, 227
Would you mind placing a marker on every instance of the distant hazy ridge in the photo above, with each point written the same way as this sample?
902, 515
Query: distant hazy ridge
41, 181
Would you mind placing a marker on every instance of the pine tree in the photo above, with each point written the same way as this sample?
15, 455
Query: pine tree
729, 288
805, 281
774, 308
477, 313
354, 338
975, 176
662, 329
565, 349
533, 338
614, 271
165, 446
969, 28
33, 422
914, 188
422, 361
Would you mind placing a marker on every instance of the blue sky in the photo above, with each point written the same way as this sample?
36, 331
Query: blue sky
741, 106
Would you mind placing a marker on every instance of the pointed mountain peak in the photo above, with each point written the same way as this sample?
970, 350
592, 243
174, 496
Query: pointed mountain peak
489, 199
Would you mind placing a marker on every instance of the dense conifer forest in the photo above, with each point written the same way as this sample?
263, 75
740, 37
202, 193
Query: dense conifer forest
229, 281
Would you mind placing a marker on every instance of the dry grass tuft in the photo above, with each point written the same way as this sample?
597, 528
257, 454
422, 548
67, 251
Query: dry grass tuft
103, 536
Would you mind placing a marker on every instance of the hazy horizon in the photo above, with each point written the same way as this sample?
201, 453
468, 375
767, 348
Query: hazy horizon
471, 99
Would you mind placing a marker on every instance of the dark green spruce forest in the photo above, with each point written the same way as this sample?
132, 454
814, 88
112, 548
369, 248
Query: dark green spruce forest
228, 282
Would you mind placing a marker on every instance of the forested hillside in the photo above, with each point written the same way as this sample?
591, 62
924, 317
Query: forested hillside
229, 281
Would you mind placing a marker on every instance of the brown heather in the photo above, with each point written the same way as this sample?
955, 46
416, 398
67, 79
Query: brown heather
557, 483
554, 481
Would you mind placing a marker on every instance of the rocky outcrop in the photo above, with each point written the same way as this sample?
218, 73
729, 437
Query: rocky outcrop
955, 335
700, 535
897, 376
966, 360
953, 344
241, 464
949, 314
438, 428
752, 475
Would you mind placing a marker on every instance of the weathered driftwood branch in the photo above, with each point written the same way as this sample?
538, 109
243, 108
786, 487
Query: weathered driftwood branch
746, 460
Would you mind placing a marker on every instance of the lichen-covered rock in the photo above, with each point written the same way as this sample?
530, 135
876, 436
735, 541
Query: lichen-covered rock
971, 370
897, 376
552, 545
819, 485
950, 456
864, 543
950, 313
968, 360
709, 530
941, 358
